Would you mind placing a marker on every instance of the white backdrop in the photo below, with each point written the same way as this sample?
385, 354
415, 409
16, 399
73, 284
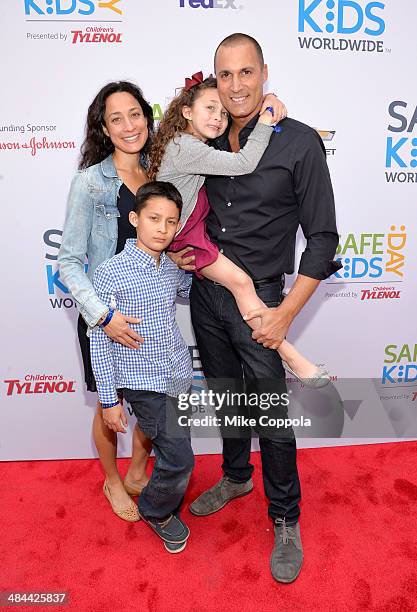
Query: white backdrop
345, 68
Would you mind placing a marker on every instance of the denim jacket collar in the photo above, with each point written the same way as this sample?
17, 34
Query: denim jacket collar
107, 167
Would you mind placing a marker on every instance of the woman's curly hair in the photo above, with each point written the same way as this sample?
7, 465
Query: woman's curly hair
97, 146
173, 123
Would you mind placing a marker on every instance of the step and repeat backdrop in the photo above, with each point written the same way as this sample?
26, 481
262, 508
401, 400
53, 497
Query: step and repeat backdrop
345, 67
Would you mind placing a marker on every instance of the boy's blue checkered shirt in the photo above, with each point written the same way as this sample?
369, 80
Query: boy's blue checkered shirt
132, 282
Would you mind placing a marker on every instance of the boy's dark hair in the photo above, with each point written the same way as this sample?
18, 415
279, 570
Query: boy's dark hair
157, 189
239, 38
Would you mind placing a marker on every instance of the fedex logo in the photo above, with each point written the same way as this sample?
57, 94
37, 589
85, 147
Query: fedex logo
209, 4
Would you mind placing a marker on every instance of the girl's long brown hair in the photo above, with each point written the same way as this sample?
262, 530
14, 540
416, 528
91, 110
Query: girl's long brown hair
173, 123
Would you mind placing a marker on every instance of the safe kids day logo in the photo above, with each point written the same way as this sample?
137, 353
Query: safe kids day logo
401, 143
59, 295
377, 259
341, 25
76, 11
400, 365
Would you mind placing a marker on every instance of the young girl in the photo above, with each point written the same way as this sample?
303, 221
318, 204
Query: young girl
181, 156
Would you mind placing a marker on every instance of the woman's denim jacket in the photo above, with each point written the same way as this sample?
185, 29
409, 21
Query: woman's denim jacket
90, 229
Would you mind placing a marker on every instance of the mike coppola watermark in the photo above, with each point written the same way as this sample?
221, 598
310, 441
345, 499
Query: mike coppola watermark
228, 399
239, 420
237, 412
384, 407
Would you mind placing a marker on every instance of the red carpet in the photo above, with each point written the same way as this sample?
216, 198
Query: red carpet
358, 527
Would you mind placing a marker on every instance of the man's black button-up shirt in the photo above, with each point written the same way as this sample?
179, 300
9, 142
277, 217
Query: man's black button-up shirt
254, 217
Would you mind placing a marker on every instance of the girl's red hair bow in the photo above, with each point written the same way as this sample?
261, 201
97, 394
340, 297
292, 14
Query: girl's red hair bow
196, 79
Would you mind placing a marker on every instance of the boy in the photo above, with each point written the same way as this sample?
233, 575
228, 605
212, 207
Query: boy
143, 282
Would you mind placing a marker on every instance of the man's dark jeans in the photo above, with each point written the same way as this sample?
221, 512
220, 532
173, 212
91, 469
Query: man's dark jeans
174, 458
227, 351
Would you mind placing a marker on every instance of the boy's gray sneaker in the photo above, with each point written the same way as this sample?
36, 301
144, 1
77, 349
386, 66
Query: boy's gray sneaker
218, 496
172, 530
287, 556
175, 548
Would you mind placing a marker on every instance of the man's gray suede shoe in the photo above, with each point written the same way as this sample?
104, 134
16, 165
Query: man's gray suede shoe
287, 556
218, 496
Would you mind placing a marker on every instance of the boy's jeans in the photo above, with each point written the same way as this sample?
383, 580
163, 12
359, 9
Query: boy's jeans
174, 457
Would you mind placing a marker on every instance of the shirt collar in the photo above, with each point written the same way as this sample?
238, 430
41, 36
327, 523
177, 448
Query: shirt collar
143, 259
107, 167
222, 142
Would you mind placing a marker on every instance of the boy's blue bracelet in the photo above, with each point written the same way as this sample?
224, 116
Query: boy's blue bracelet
108, 318
110, 405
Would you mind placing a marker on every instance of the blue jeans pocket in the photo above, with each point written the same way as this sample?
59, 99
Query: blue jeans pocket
145, 406
271, 294
272, 304
149, 428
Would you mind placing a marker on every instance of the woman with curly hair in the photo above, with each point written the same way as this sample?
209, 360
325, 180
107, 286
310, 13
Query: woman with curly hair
181, 155
113, 165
